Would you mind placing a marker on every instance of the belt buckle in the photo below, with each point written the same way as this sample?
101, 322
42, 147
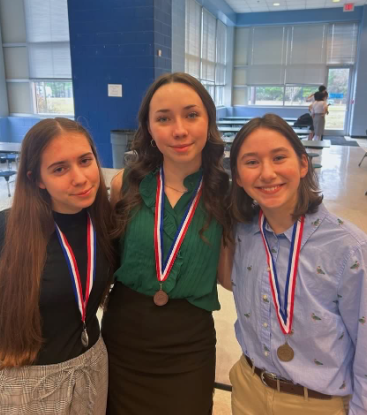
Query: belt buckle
269, 374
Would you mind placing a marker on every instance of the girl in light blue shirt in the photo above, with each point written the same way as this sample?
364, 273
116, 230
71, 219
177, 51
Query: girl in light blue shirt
298, 275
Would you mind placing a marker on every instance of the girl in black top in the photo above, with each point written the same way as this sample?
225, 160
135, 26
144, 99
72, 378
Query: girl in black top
56, 260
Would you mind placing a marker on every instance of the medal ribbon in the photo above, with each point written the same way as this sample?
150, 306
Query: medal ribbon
73, 266
284, 313
163, 268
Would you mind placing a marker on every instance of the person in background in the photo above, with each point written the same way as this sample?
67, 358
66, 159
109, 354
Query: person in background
298, 275
169, 206
56, 260
319, 108
322, 89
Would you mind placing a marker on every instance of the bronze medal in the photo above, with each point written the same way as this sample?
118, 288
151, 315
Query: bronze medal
160, 298
164, 266
285, 353
85, 338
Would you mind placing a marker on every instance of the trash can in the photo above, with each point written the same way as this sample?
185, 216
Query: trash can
120, 141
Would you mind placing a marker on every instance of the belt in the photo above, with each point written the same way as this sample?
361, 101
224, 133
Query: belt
283, 385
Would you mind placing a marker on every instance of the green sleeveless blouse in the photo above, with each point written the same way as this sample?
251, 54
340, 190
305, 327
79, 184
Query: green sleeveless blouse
194, 273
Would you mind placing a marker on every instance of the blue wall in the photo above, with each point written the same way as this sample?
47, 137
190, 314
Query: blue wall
222, 112
15, 128
116, 42
260, 111
18, 126
4, 135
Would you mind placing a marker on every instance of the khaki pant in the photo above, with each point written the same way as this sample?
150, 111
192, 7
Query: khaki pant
251, 397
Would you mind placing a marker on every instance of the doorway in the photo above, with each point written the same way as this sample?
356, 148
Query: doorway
338, 86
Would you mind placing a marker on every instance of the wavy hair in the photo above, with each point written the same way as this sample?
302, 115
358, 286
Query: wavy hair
148, 158
29, 226
242, 206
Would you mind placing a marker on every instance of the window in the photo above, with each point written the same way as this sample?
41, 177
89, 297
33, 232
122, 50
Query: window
210, 87
205, 50
54, 97
283, 65
297, 94
289, 95
192, 38
49, 56
266, 95
221, 61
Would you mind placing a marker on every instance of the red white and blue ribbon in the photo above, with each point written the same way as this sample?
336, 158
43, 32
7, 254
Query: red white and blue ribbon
81, 300
284, 311
163, 268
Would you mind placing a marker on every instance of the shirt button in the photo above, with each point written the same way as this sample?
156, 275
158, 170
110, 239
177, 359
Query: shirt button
266, 354
265, 325
265, 297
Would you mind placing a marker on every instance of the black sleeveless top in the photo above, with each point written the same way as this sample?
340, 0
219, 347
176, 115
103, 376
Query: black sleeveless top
61, 319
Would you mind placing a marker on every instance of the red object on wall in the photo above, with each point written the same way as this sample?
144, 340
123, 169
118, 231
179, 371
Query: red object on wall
348, 7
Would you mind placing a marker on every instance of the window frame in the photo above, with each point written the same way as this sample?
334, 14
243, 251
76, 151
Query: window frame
242, 66
33, 83
218, 97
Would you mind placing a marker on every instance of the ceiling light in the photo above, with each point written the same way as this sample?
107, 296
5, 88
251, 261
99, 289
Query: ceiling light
336, 1
278, 4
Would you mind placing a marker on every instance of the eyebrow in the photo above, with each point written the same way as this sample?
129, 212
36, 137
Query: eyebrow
275, 150
65, 161
165, 110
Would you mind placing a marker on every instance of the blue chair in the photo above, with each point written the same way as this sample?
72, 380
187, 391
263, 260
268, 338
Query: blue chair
7, 174
3, 158
12, 158
9, 158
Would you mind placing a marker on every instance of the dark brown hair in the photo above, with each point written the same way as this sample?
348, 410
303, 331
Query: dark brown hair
29, 226
148, 158
320, 96
242, 206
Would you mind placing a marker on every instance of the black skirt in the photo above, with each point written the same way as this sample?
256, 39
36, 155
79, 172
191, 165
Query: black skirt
161, 359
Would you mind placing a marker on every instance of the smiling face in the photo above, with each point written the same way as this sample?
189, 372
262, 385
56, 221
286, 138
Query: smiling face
178, 123
269, 171
69, 173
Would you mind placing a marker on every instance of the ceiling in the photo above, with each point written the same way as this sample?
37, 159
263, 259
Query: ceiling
248, 6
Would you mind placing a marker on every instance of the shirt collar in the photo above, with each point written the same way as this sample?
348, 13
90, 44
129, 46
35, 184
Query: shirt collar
148, 185
312, 222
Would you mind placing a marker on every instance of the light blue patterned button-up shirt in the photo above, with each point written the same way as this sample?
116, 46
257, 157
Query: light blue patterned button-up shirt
329, 331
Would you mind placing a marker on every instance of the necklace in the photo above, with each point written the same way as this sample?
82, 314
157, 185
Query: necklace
179, 191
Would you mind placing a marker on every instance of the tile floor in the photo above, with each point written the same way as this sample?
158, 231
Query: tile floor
344, 185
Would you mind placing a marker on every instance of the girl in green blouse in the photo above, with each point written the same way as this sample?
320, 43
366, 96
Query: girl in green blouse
158, 325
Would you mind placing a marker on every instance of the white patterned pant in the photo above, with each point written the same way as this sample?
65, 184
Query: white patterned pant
75, 387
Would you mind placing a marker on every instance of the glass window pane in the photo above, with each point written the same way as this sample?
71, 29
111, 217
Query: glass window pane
54, 97
266, 95
337, 86
297, 95
210, 88
219, 96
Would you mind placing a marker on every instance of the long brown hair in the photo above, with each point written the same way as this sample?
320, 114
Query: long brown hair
29, 226
242, 206
148, 158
